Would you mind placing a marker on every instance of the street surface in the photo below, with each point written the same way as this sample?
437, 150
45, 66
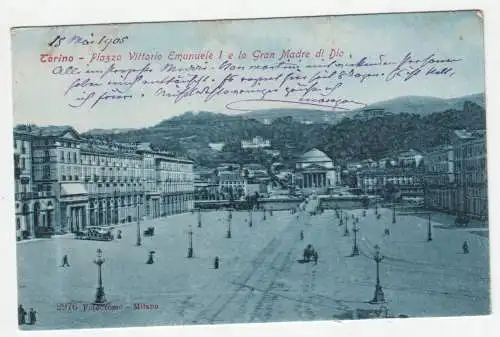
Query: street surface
260, 278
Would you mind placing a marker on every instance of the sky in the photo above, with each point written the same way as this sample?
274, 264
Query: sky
39, 95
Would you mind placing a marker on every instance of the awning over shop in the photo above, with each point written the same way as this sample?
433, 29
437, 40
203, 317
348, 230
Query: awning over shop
75, 189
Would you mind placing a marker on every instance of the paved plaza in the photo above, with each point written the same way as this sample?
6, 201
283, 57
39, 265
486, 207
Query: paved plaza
260, 277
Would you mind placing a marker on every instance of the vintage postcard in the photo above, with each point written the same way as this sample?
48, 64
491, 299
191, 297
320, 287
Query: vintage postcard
249, 171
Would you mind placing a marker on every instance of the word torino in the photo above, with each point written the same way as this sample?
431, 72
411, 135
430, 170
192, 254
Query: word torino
49, 58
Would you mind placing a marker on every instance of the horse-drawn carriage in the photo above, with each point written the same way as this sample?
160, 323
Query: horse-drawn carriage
150, 231
95, 233
309, 253
462, 220
44, 232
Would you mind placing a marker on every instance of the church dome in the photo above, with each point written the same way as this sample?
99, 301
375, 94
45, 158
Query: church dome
314, 156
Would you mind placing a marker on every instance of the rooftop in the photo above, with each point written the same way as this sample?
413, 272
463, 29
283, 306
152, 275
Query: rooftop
314, 155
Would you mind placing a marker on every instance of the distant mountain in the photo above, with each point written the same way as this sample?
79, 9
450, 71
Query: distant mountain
354, 138
421, 105
305, 116
101, 132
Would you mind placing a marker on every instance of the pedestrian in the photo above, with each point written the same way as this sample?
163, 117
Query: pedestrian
216, 262
465, 247
150, 259
315, 256
301, 235
32, 315
119, 236
21, 314
65, 262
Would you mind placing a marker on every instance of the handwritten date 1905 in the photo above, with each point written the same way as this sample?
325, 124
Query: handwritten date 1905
102, 42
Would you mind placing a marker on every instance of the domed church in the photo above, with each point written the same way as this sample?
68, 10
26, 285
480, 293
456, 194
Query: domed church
315, 172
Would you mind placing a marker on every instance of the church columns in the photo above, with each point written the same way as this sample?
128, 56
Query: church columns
314, 180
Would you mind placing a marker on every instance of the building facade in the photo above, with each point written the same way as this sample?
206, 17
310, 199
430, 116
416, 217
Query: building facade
255, 143
410, 158
456, 176
206, 186
440, 180
232, 184
408, 182
471, 177
67, 182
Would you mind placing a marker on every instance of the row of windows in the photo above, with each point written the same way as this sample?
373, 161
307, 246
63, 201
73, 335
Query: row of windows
66, 157
404, 180
476, 178
107, 161
20, 162
23, 146
49, 142
440, 199
469, 150
440, 167
440, 180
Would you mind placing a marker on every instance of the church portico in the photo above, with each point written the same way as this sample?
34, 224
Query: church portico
315, 172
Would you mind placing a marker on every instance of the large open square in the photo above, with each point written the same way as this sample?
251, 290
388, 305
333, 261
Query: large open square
261, 277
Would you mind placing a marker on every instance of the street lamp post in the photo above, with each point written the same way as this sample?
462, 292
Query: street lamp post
355, 249
228, 234
250, 220
199, 217
379, 293
138, 243
429, 228
190, 248
394, 213
346, 231
263, 214
100, 297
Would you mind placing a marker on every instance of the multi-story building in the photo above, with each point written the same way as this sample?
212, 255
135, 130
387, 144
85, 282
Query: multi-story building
206, 186
456, 177
367, 114
439, 179
410, 158
232, 183
471, 174
34, 204
255, 143
67, 182
407, 181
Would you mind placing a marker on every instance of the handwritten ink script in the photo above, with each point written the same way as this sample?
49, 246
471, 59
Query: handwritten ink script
305, 77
